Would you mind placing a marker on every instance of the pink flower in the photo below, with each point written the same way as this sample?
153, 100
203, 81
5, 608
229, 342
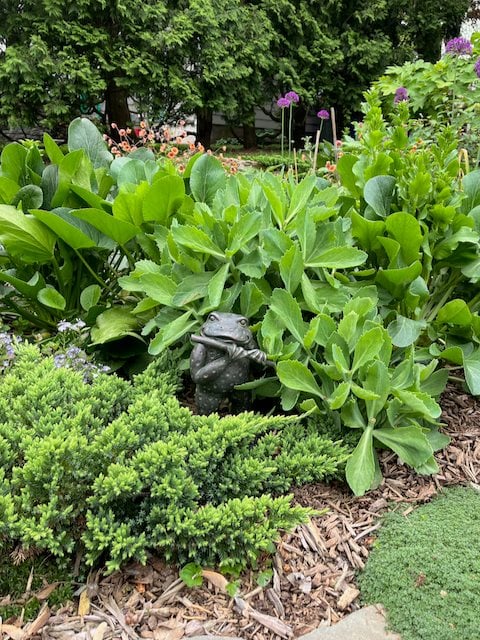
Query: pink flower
283, 102
292, 96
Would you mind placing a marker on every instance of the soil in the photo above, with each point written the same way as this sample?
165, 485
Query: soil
312, 574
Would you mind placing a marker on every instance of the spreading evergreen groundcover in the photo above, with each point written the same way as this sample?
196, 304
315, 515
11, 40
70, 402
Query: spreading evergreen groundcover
120, 468
425, 569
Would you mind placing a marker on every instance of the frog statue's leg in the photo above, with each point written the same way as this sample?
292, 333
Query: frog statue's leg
207, 401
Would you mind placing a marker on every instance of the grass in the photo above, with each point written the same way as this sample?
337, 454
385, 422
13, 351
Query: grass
425, 569
14, 580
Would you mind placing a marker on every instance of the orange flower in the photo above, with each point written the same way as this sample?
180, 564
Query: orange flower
142, 133
122, 132
171, 155
178, 140
330, 167
200, 147
174, 150
191, 146
233, 169
181, 168
143, 124
163, 146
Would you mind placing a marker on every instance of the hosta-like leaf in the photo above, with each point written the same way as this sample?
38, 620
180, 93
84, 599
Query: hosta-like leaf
172, 332
196, 239
118, 230
405, 331
90, 296
206, 178
217, 284
378, 193
113, 324
83, 134
289, 313
50, 297
338, 258
339, 396
163, 199
360, 468
409, 443
291, 269
455, 312
300, 197
295, 375
24, 237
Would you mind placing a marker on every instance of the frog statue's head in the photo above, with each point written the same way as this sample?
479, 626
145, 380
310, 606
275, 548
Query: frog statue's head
227, 326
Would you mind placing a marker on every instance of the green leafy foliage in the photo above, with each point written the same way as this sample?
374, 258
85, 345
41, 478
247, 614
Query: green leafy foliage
122, 468
425, 571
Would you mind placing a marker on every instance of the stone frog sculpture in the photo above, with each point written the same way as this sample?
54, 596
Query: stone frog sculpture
221, 359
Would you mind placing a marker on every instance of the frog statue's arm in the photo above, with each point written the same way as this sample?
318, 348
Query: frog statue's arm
234, 351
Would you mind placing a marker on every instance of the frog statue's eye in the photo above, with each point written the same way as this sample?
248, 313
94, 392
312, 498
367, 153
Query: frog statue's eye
212, 317
243, 322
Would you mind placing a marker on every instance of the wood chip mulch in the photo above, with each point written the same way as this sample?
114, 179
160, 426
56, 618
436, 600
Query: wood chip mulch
313, 582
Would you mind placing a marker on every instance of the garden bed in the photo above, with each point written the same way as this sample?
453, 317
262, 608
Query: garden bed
313, 577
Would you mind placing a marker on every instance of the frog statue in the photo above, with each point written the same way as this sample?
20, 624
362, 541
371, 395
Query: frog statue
221, 358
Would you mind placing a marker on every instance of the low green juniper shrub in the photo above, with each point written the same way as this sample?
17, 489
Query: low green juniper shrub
118, 468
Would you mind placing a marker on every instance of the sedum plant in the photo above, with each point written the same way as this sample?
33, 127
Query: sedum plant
121, 468
351, 371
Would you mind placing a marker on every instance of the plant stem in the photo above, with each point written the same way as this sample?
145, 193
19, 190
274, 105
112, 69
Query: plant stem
283, 129
315, 153
290, 130
92, 272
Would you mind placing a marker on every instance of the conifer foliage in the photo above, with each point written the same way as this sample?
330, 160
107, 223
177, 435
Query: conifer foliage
121, 468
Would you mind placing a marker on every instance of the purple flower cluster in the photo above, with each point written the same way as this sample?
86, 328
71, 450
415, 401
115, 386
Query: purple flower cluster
64, 325
476, 66
401, 95
76, 359
289, 98
459, 47
323, 114
7, 349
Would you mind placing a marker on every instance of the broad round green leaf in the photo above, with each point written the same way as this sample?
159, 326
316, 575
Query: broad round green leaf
50, 297
206, 178
83, 134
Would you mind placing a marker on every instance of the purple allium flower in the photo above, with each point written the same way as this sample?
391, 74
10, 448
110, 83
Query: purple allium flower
283, 102
292, 96
323, 114
477, 67
459, 47
401, 95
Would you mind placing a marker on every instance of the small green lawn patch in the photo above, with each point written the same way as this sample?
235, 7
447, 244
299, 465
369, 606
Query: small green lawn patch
425, 569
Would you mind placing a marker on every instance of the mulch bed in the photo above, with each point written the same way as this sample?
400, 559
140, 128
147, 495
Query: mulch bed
314, 568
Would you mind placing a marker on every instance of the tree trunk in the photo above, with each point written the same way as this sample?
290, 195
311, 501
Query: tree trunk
299, 121
204, 126
116, 105
249, 136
